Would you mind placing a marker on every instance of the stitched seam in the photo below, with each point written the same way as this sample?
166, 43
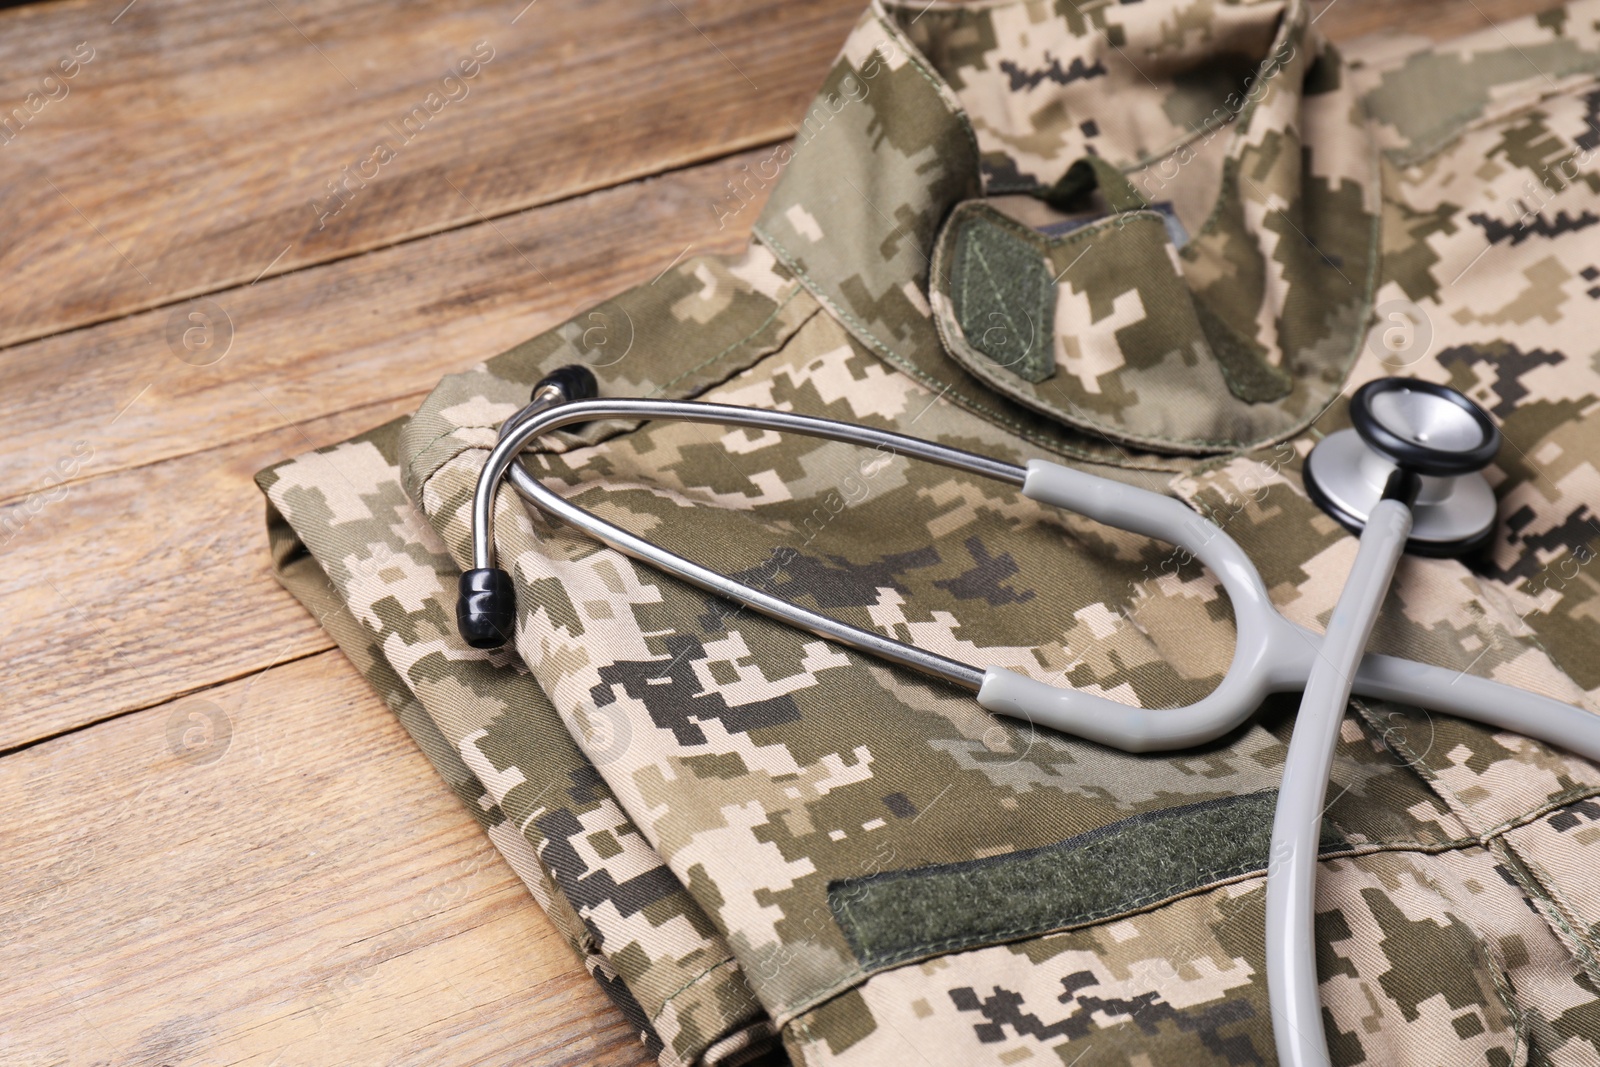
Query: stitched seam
1426, 773
785, 1015
867, 337
1494, 964
742, 341
804, 1026
1562, 912
675, 994
1519, 1021
1561, 800
1538, 888
1408, 758
1539, 892
1471, 120
435, 439
1460, 808
725, 1019
944, 90
1187, 138
1244, 117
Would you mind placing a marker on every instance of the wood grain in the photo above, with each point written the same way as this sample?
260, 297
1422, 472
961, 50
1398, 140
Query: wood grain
133, 587
314, 342
187, 153
304, 890
135, 562
1346, 20
315, 894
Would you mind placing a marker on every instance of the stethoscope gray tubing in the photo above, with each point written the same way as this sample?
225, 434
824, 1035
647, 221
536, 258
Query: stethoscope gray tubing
536, 424
1292, 983
1271, 653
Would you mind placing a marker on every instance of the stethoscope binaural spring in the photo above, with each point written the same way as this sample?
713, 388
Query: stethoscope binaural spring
1407, 477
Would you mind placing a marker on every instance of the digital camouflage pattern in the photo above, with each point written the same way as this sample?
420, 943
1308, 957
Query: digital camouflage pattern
718, 811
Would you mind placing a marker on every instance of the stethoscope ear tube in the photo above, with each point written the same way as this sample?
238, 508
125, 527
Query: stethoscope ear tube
1297, 822
486, 600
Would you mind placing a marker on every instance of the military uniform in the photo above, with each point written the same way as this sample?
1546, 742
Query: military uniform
1160, 241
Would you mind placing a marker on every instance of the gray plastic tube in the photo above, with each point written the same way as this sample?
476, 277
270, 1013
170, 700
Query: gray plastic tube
1297, 825
1270, 655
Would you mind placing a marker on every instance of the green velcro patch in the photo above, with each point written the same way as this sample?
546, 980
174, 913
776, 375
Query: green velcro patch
897, 916
1004, 299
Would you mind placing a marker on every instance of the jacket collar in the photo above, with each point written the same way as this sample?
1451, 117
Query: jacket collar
1240, 336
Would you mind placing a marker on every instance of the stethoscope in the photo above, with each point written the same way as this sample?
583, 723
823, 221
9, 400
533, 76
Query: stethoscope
1407, 477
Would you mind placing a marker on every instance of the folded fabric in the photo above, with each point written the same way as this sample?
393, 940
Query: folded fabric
1157, 240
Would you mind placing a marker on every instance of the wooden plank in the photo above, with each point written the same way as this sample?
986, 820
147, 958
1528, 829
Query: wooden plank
129, 588
1345, 20
311, 343
196, 143
135, 562
299, 888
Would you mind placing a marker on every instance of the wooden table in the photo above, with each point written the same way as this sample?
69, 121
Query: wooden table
219, 846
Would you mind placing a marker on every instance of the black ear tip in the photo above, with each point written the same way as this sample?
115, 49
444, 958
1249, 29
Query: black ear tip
575, 381
486, 611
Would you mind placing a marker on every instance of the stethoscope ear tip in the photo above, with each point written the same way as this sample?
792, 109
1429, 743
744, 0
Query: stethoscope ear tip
575, 381
486, 610
486, 607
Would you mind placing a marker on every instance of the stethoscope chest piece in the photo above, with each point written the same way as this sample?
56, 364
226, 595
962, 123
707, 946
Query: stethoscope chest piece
1429, 430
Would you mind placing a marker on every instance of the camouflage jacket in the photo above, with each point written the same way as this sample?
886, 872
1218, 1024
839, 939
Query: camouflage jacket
1161, 241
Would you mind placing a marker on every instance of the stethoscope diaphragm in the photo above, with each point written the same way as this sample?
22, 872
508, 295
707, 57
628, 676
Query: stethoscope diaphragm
1430, 430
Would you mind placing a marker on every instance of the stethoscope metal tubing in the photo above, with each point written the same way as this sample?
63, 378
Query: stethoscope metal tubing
535, 423
526, 426
1271, 654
